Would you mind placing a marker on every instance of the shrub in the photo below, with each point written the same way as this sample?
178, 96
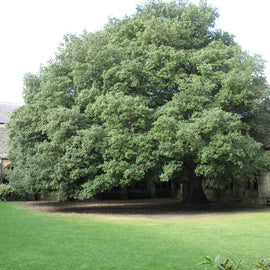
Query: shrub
263, 265
7, 192
232, 264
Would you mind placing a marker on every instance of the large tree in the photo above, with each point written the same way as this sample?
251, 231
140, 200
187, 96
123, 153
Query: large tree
158, 95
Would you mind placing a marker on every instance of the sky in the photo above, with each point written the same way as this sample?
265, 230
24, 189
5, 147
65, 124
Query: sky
31, 31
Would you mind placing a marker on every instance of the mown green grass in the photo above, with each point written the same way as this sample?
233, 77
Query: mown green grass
32, 240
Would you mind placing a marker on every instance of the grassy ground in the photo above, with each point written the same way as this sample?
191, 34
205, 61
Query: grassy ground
36, 240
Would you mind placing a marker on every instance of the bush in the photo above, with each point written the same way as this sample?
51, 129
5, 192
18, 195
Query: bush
7, 192
25, 190
231, 264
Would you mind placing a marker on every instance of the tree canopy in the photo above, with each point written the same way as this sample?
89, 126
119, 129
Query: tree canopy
158, 95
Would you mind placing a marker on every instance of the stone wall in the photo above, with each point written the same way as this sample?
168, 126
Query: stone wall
264, 187
3, 142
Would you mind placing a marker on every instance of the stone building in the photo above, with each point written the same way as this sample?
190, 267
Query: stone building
264, 182
5, 111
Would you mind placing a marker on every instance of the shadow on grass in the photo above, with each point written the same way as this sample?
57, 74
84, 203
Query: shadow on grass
138, 207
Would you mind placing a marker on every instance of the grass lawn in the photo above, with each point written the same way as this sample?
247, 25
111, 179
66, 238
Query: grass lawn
35, 240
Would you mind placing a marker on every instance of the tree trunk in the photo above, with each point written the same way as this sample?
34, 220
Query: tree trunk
193, 192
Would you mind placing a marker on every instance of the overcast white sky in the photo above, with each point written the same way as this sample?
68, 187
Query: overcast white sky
31, 31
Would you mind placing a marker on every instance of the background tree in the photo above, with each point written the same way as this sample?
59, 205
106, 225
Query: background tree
160, 94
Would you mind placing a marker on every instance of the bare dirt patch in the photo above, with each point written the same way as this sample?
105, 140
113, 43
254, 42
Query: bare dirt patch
136, 209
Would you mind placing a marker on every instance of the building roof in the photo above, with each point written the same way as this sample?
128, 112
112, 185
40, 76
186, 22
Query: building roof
6, 109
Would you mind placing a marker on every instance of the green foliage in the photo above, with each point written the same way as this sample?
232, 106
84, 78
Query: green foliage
226, 265
160, 94
6, 192
232, 264
263, 265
